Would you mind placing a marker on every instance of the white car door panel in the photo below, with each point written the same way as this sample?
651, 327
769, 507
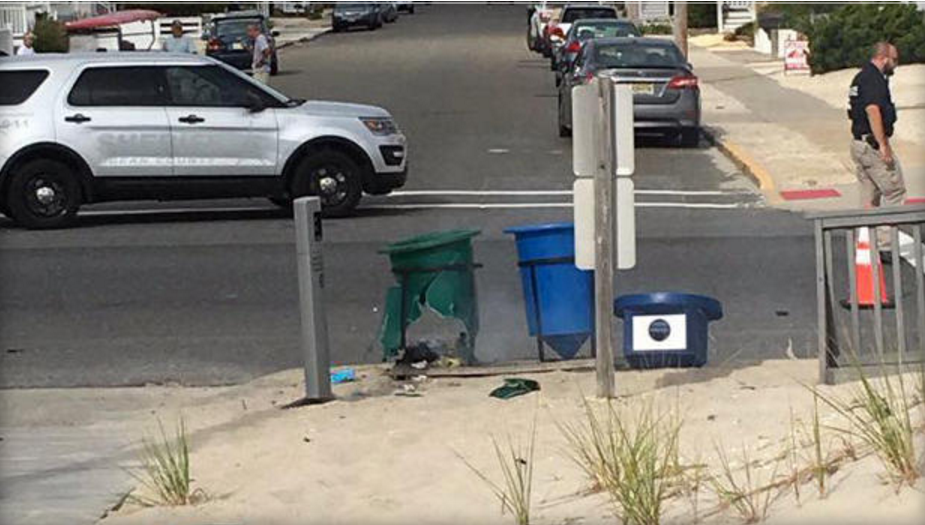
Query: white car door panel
215, 130
116, 118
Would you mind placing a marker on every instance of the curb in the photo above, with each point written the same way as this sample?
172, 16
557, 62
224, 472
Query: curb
304, 39
755, 171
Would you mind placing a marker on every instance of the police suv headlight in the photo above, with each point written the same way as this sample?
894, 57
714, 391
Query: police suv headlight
380, 125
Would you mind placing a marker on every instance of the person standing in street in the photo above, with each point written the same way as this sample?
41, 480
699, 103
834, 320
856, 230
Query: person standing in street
26, 47
260, 47
177, 42
873, 117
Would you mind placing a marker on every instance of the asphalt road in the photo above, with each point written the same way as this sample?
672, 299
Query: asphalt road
205, 292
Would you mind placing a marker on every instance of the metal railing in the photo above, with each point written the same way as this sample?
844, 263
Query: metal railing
844, 344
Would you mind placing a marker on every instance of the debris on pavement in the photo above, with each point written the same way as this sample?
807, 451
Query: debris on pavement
346, 375
515, 386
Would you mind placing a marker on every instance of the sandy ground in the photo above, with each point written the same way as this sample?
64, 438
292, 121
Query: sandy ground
376, 457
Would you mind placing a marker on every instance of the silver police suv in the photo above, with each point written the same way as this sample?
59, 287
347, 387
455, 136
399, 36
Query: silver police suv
84, 128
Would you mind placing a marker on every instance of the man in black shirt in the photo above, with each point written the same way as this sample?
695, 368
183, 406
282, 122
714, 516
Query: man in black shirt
873, 116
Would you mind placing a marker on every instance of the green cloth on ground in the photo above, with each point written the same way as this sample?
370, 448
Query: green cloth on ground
515, 386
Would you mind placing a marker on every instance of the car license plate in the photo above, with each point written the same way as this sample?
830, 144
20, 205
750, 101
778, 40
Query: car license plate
237, 46
644, 89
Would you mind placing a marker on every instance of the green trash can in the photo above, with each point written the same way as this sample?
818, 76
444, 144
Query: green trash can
434, 270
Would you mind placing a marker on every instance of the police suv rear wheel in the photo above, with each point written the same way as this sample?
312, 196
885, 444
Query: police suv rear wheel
43, 194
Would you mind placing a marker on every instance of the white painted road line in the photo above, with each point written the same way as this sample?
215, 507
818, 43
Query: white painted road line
525, 193
448, 206
527, 205
115, 213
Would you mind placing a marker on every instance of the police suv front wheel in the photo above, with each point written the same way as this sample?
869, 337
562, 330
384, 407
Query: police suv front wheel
334, 177
43, 194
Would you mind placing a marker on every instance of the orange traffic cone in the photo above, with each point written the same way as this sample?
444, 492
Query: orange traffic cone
864, 272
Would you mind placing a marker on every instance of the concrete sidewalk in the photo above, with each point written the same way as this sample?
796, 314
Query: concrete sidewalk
794, 143
295, 30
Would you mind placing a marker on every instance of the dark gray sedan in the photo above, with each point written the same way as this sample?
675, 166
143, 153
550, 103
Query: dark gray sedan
666, 94
584, 30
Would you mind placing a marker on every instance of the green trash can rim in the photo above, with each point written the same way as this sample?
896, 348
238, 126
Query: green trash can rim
430, 240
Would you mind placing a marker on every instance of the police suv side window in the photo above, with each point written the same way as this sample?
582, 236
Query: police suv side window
119, 86
211, 86
18, 86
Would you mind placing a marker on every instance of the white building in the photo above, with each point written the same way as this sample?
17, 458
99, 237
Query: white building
19, 17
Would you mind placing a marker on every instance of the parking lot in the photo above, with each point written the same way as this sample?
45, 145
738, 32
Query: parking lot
205, 292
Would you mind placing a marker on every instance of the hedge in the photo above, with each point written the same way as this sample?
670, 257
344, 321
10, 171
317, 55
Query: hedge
844, 38
50, 36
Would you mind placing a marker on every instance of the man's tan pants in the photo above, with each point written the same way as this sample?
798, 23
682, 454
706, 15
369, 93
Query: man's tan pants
262, 76
881, 184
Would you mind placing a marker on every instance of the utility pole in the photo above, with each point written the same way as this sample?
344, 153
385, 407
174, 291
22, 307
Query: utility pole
680, 26
604, 253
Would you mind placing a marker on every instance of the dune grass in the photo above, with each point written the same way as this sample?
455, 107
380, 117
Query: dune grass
879, 416
516, 463
633, 457
165, 470
747, 493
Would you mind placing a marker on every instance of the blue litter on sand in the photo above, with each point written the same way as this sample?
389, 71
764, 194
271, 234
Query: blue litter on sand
343, 376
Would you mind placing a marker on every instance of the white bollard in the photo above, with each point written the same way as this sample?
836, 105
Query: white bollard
317, 360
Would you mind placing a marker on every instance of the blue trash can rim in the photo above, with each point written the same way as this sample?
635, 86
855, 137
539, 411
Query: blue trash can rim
712, 308
537, 228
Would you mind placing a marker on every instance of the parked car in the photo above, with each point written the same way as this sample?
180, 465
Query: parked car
350, 14
389, 11
407, 7
666, 94
584, 30
125, 126
558, 27
228, 40
543, 15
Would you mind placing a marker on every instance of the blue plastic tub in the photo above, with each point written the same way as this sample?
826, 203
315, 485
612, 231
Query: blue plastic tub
563, 293
666, 329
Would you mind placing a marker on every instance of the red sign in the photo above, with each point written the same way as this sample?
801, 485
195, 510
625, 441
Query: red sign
796, 55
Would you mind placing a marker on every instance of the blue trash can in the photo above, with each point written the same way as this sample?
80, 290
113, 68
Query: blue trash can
666, 329
558, 297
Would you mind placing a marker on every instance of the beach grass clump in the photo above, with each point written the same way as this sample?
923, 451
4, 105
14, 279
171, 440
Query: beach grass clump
515, 490
743, 490
879, 416
632, 456
164, 473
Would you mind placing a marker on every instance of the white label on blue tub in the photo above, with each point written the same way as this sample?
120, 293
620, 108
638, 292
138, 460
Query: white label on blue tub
659, 333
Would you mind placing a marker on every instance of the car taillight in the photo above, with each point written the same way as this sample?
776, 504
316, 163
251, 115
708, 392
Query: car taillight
215, 45
683, 82
574, 47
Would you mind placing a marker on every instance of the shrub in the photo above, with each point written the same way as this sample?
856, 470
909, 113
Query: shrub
844, 37
701, 16
50, 36
656, 29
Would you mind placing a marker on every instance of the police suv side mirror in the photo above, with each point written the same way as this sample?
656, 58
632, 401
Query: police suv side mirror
254, 103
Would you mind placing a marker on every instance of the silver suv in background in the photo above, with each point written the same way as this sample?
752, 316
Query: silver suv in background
78, 129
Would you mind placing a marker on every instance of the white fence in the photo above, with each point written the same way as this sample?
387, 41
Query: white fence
13, 17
